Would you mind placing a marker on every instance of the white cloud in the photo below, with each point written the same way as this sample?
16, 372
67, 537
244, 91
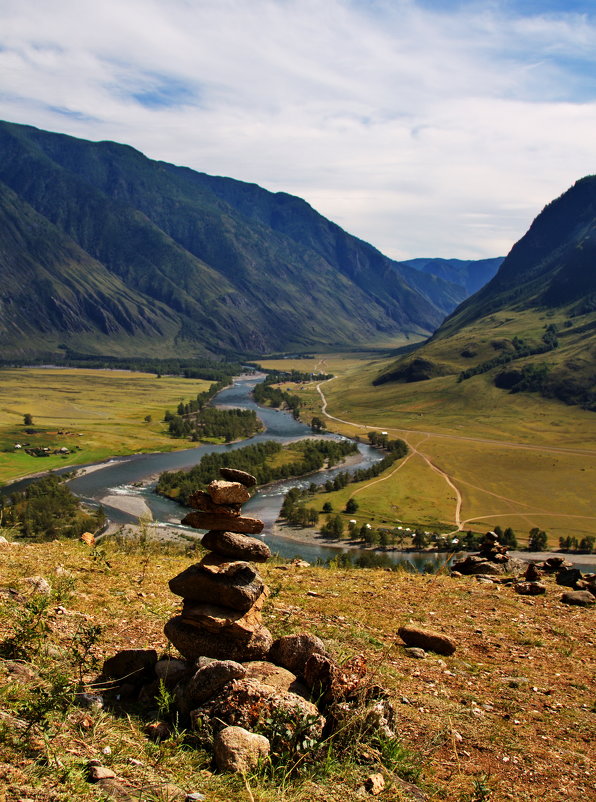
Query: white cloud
425, 133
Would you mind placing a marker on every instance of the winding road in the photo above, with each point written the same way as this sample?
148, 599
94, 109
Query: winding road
450, 480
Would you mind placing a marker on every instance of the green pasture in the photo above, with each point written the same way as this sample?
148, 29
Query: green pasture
101, 413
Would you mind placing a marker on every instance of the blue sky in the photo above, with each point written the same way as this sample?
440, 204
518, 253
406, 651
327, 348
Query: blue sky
427, 127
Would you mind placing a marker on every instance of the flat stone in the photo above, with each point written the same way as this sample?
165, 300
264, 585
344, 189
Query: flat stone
293, 651
193, 642
238, 750
201, 500
130, 664
427, 640
232, 544
223, 492
276, 676
229, 623
235, 475
100, 773
241, 524
568, 577
529, 588
238, 586
582, 598
206, 682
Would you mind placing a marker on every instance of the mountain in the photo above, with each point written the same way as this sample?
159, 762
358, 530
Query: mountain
469, 274
107, 251
533, 326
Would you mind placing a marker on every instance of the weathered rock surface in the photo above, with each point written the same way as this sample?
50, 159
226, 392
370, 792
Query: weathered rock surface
201, 500
246, 701
233, 624
568, 577
293, 651
206, 682
237, 586
223, 492
238, 750
553, 564
529, 588
582, 598
240, 547
193, 642
132, 664
427, 640
276, 676
235, 475
532, 573
241, 523
171, 671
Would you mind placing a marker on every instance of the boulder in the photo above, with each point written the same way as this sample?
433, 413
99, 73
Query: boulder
193, 642
331, 683
232, 544
238, 750
233, 624
293, 651
276, 676
529, 588
235, 475
201, 500
131, 664
553, 564
427, 640
582, 598
246, 702
568, 577
241, 523
206, 682
223, 492
237, 585
532, 573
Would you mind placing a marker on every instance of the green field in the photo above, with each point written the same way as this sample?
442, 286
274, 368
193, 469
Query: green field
101, 413
517, 460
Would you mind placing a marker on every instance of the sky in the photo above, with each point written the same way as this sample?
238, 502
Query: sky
425, 127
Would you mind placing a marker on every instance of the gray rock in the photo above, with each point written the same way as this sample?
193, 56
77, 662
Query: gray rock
293, 651
278, 677
238, 750
235, 475
223, 492
427, 640
415, 651
206, 682
238, 585
202, 501
530, 588
39, 584
130, 664
582, 598
193, 642
233, 544
92, 701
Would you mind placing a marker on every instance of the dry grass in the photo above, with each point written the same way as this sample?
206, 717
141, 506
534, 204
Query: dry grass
509, 716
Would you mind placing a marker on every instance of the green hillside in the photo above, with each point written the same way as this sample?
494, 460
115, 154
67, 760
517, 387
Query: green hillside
154, 256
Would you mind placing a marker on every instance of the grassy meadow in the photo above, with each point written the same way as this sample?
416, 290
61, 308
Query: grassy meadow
517, 460
508, 716
101, 413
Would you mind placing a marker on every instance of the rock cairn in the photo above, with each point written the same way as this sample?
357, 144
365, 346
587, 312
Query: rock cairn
493, 558
223, 594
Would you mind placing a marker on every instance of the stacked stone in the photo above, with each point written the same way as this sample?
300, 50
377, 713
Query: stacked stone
223, 594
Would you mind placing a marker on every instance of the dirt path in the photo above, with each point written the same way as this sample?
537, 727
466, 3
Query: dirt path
450, 480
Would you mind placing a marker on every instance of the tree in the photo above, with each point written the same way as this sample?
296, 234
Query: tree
27, 419
148, 418
327, 507
419, 540
509, 538
351, 506
538, 540
317, 425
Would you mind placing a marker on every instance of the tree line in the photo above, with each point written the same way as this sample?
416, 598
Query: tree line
521, 349
257, 459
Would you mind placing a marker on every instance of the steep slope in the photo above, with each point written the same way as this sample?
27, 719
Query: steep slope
470, 274
533, 326
238, 268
